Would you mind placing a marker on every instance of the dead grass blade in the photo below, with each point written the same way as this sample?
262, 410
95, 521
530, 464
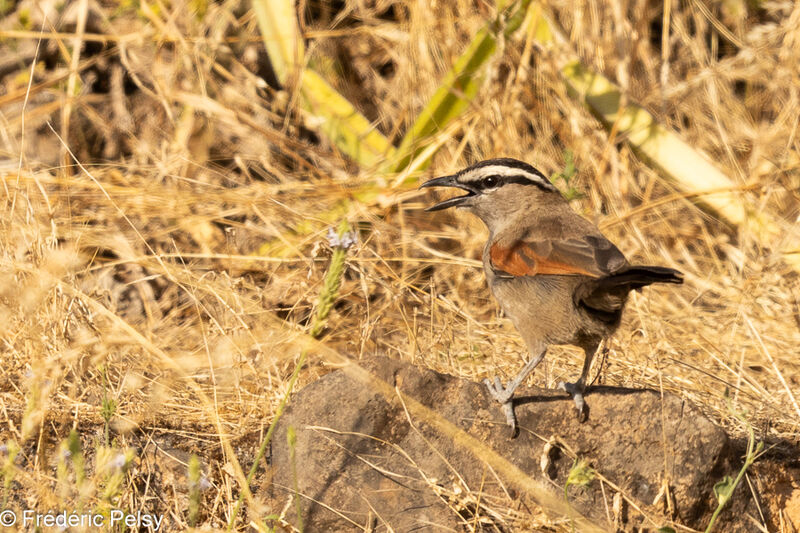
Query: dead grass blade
660, 147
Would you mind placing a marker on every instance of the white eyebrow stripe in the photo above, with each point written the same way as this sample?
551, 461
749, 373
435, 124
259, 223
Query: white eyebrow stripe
503, 170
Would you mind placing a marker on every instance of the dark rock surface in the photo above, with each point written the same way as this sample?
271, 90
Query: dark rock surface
360, 463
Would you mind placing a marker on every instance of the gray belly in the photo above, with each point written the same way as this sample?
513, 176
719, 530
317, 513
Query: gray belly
543, 311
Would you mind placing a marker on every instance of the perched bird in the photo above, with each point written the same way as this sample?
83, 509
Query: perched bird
554, 274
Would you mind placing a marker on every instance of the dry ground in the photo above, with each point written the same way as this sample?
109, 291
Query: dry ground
166, 279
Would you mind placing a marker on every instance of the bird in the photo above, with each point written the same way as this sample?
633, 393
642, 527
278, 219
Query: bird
553, 273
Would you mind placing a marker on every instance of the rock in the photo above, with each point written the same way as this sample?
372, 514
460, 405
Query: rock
359, 462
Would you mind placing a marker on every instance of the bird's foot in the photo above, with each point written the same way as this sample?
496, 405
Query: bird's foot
576, 390
498, 391
503, 396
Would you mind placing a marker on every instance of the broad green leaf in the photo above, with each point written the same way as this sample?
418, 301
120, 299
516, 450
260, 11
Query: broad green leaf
339, 121
278, 23
459, 87
687, 168
332, 114
663, 149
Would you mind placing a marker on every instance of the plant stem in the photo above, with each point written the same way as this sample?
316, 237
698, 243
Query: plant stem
340, 242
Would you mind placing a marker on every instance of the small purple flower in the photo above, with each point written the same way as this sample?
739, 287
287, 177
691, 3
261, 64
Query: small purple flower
345, 241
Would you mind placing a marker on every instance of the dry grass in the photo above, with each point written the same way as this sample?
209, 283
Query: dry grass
133, 277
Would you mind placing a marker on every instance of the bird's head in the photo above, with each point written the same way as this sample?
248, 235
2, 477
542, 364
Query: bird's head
497, 190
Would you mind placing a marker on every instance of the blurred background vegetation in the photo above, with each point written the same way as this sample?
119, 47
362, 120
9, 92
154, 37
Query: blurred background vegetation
172, 169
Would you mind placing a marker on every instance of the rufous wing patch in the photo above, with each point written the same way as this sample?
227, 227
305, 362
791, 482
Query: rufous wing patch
522, 259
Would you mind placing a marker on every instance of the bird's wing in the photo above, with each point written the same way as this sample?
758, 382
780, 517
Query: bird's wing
588, 255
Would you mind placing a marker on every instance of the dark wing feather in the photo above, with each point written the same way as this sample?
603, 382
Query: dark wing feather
591, 255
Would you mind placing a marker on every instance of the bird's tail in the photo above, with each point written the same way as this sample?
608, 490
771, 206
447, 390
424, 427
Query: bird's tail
604, 298
636, 277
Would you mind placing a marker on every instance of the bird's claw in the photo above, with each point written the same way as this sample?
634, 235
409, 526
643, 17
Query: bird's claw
576, 391
503, 395
498, 391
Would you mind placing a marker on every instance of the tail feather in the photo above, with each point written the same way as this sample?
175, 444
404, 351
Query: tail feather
637, 277
605, 297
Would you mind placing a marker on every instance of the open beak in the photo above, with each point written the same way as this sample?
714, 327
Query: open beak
448, 181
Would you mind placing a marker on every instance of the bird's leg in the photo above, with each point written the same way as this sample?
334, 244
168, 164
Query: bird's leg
577, 389
503, 394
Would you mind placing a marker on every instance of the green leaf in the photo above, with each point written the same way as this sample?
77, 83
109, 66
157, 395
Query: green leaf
660, 147
457, 90
331, 113
459, 86
722, 489
338, 120
278, 24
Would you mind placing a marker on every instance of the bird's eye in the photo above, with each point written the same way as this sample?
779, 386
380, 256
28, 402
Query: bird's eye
491, 181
